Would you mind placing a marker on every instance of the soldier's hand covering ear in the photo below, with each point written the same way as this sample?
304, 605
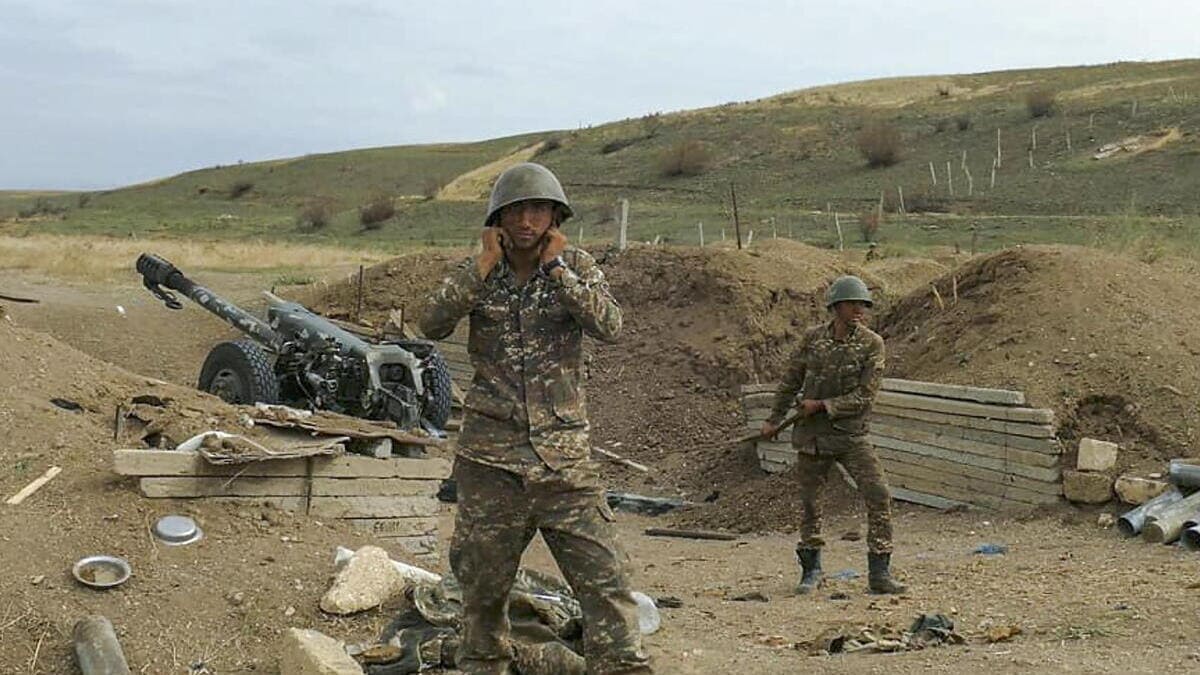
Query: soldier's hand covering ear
493, 250
553, 244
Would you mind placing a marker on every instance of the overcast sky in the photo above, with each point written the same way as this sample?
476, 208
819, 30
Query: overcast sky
99, 93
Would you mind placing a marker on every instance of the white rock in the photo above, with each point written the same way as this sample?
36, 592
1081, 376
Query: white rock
1086, 488
1096, 455
366, 581
309, 652
1134, 490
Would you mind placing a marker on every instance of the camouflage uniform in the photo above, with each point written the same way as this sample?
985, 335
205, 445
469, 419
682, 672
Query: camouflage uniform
524, 462
845, 374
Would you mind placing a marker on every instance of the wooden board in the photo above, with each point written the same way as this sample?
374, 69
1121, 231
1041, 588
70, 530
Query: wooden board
183, 487
174, 463
377, 487
1014, 455
998, 426
955, 391
389, 528
924, 499
763, 400
785, 457
955, 468
958, 488
968, 484
373, 507
1046, 446
423, 545
299, 504
1001, 464
995, 412
768, 387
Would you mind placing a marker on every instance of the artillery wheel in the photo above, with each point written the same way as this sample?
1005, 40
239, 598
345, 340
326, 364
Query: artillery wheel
239, 372
438, 396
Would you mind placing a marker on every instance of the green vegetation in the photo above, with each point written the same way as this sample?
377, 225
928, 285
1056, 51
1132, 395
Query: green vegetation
793, 158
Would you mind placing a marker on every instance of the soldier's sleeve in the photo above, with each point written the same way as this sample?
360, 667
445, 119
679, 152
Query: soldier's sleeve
793, 380
451, 301
585, 294
858, 401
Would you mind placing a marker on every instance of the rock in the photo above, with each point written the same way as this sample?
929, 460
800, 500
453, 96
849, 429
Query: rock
1086, 488
1096, 455
309, 652
367, 580
1106, 520
1134, 490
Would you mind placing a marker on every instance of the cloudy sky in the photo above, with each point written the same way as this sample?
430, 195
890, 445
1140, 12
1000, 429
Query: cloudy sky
99, 93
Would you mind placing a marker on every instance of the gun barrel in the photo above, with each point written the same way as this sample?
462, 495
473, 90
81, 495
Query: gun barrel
158, 271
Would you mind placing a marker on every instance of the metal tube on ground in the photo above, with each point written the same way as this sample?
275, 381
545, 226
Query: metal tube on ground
1191, 538
1133, 521
97, 648
1184, 473
1164, 527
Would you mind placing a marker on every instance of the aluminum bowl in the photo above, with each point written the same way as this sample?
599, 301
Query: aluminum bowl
101, 571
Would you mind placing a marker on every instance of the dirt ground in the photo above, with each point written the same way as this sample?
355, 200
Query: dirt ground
1084, 600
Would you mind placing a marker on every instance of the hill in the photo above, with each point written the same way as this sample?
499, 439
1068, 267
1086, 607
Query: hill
790, 156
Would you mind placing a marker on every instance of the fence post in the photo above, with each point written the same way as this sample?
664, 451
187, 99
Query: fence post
623, 236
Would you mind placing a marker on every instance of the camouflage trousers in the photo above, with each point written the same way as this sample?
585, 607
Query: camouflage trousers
816, 458
499, 512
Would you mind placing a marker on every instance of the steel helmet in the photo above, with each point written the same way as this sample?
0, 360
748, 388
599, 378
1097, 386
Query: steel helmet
847, 288
526, 181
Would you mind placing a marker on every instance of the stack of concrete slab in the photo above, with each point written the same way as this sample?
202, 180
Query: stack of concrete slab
946, 442
393, 499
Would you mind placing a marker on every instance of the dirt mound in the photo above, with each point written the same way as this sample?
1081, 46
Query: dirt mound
1107, 341
221, 603
698, 322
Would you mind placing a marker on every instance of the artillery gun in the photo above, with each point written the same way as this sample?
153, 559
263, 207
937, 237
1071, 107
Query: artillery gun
301, 359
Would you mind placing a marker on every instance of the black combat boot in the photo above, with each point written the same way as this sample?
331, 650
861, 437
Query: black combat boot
879, 576
810, 564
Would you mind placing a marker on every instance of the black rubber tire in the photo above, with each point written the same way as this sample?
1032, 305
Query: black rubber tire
239, 372
438, 396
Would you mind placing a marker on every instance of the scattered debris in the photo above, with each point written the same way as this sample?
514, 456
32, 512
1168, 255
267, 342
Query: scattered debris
752, 596
1106, 520
617, 459
67, 404
649, 506
690, 534
852, 535
990, 549
668, 602
34, 486
845, 575
17, 298
927, 630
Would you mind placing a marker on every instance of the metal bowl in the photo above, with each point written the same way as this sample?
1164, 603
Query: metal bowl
177, 530
101, 571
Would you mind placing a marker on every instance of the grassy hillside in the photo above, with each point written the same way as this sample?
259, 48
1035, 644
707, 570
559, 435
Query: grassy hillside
790, 156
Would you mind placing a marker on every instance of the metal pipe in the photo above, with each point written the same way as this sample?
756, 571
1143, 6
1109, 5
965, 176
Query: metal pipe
1184, 473
1165, 526
97, 648
1132, 522
1191, 538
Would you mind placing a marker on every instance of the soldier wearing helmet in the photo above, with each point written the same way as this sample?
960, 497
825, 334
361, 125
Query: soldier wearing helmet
836, 370
524, 463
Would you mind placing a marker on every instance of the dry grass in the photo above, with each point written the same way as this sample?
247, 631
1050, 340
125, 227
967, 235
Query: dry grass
103, 258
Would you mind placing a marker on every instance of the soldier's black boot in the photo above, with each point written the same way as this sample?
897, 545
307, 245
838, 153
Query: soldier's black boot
810, 564
879, 576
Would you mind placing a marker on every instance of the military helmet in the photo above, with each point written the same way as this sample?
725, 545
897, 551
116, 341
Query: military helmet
847, 288
526, 181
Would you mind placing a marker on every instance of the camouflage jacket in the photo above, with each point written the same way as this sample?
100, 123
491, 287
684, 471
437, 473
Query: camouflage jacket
845, 374
526, 344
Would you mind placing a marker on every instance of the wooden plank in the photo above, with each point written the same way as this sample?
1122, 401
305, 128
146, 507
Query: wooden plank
995, 412
34, 486
1042, 473
377, 487
768, 387
299, 504
896, 481
373, 507
422, 546
388, 528
1048, 446
970, 450
955, 391
960, 487
999, 426
788, 456
924, 499
182, 487
764, 400
175, 463
774, 467
955, 468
